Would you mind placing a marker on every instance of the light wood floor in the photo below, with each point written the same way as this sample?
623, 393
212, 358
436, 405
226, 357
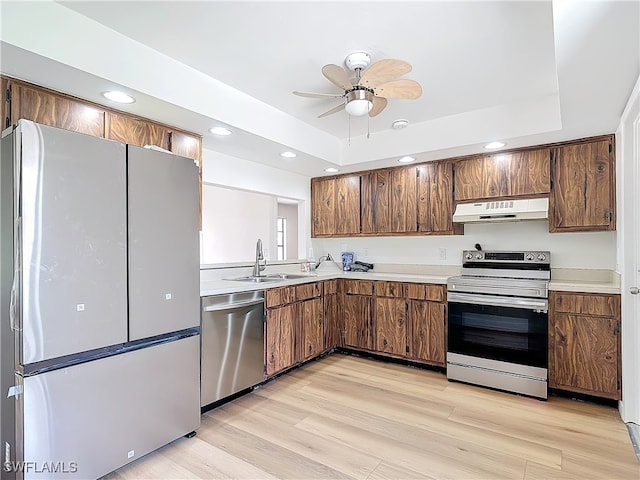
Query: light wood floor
350, 417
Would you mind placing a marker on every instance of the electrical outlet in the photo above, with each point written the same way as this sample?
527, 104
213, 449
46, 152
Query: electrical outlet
365, 253
442, 253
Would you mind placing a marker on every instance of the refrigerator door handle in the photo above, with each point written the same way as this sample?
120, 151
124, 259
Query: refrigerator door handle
230, 306
13, 302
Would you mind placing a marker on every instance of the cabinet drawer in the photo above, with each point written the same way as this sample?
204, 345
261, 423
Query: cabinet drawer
426, 291
357, 287
275, 297
389, 289
588, 304
330, 287
436, 293
308, 290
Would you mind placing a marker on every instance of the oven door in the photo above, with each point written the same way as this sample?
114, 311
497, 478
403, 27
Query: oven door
505, 329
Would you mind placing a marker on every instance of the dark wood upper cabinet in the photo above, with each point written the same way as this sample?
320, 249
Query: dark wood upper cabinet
403, 200
323, 197
185, 145
5, 110
347, 213
376, 201
48, 108
435, 198
583, 194
503, 175
335, 206
134, 131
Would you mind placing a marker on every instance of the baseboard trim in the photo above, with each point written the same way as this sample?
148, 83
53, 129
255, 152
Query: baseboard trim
634, 433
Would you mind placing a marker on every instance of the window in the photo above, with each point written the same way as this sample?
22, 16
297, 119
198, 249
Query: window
281, 236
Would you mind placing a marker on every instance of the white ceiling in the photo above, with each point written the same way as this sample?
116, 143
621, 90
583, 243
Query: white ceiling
521, 72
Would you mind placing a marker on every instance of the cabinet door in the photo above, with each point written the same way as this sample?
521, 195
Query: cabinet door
311, 332
404, 214
347, 211
323, 197
468, 179
435, 197
528, 172
391, 325
376, 202
332, 325
583, 191
585, 353
186, 145
427, 332
357, 321
48, 108
280, 339
134, 131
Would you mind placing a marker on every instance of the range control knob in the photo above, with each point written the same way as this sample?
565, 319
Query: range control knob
478, 256
469, 256
542, 257
529, 256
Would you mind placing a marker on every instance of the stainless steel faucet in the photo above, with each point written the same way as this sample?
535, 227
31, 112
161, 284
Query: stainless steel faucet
258, 267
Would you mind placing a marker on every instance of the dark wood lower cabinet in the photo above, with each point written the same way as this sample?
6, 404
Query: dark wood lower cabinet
584, 343
280, 338
333, 326
427, 332
311, 326
356, 310
391, 325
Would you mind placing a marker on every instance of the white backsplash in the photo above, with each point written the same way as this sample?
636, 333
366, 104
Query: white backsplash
584, 250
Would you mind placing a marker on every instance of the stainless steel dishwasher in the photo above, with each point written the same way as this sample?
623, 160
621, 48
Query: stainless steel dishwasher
232, 344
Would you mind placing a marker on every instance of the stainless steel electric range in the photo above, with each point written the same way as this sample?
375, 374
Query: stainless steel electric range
498, 321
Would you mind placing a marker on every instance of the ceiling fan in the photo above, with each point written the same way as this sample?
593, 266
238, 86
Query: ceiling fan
368, 92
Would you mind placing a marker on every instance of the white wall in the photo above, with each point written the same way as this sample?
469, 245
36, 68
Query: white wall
568, 250
232, 222
227, 171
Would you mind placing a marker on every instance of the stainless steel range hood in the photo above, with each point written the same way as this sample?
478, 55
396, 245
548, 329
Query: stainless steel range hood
502, 211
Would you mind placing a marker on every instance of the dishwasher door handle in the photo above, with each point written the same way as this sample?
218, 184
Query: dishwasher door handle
232, 306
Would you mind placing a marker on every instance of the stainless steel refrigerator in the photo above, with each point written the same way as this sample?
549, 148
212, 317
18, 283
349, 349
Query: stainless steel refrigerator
100, 318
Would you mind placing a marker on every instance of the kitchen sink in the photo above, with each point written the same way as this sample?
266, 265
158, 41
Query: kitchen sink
256, 279
286, 276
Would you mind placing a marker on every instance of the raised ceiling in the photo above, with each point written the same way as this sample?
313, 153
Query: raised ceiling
520, 72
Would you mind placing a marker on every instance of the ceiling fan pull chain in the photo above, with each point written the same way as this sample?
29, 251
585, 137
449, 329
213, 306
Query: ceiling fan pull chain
349, 120
368, 123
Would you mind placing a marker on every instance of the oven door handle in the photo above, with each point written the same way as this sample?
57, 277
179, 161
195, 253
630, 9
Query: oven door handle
541, 306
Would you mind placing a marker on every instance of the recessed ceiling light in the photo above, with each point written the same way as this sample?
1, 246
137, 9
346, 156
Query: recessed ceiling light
407, 159
331, 170
288, 154
119, 97
220, 131
494, 145
400, 123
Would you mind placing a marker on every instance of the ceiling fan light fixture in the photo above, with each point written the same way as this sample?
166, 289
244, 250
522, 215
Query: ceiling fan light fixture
359, 102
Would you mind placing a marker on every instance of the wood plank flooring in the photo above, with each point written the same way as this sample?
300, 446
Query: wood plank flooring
350, 417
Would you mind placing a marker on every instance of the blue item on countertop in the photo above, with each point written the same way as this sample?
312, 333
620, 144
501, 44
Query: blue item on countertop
347, 260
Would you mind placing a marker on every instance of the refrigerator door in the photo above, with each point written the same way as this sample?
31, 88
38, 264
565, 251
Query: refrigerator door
89, 419
72, 242
164, 263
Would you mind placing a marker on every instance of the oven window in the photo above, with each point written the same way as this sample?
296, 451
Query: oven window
507, 334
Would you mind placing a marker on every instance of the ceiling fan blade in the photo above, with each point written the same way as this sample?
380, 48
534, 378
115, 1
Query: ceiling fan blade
337, 76
399, 89
317, 95
379, 104
384, 71
333, 110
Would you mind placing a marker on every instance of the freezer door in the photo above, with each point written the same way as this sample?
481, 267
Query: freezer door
164, 263
72, 242
92, 418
